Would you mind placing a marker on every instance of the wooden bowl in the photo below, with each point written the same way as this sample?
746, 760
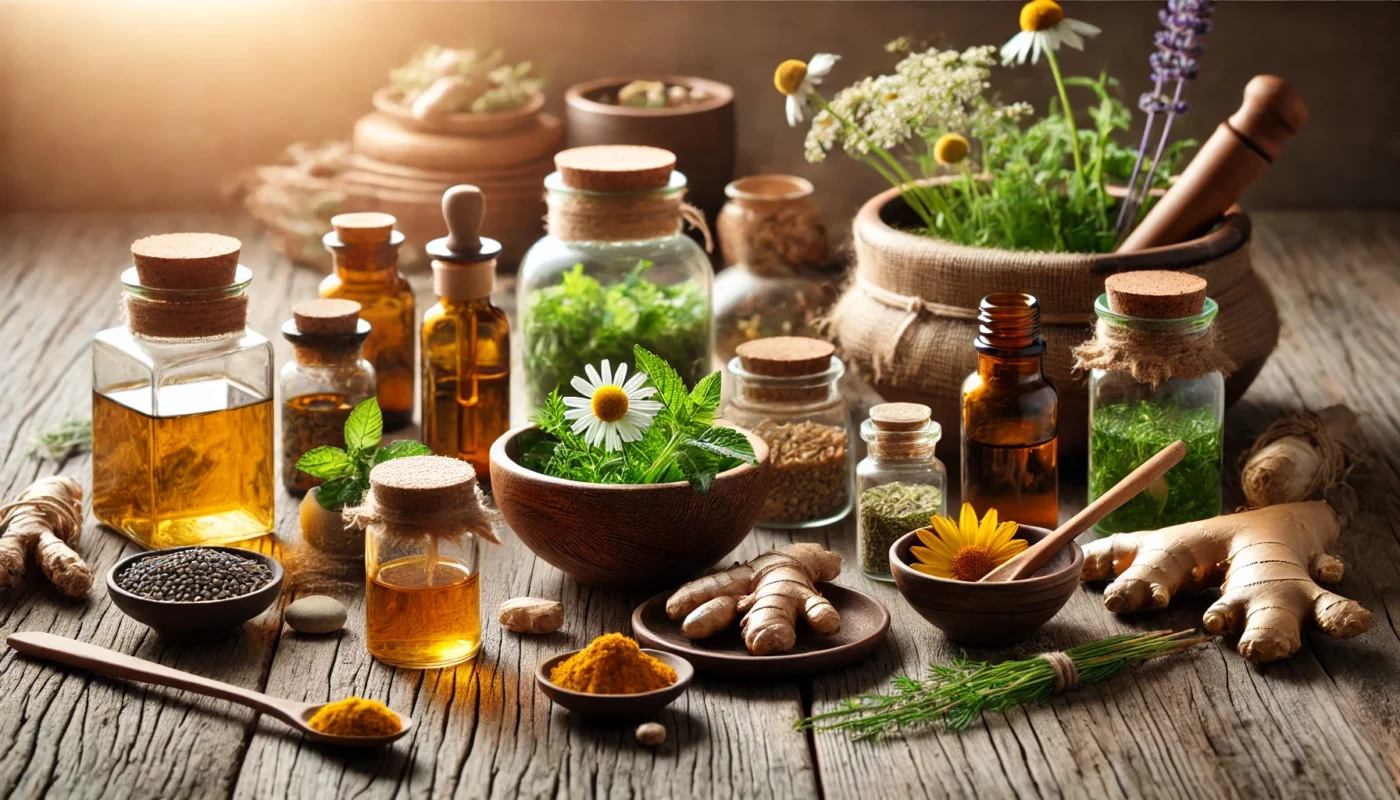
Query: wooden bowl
989, 613
616, 706
205, 619
626, 537
460, 123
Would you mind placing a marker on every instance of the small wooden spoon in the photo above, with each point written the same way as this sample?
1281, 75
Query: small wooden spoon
119, 665
1035, 557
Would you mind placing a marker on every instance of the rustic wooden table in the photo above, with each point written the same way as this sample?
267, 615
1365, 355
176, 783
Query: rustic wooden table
1205, 724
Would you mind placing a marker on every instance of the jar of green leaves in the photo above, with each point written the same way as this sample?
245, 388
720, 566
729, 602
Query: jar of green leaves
901, 483
1155, 376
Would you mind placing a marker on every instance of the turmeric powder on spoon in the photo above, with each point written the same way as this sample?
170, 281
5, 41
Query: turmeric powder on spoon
612, 664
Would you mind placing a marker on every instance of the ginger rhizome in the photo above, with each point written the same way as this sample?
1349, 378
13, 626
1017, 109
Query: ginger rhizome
1302, 457
772, 591
46, 518
1267, 563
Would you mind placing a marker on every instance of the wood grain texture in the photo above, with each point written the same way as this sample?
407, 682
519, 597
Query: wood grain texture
1206, 724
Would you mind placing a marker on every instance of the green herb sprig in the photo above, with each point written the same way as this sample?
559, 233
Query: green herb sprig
65, 440
346, 472
682, 443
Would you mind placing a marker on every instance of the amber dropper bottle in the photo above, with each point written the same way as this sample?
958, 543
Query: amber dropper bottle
466, 339
365, 251
1010, 412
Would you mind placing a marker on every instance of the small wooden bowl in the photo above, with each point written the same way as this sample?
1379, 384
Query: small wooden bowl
988, 613
626, 537
616, 706
458, 123
188, 620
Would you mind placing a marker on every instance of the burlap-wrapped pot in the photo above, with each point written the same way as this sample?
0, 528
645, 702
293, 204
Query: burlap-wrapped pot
908, 319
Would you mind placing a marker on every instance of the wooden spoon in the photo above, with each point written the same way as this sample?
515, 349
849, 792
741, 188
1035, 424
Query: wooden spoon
1036, 556
109, 662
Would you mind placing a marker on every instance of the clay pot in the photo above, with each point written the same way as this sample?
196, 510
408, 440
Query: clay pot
772, 222
701, 135
327, 532
626, 537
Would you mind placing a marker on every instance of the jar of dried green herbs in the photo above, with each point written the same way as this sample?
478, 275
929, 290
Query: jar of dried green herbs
1155, 376
901, 484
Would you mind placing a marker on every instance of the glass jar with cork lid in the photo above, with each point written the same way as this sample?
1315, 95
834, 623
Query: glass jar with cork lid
615, 270
182, 418
785, 391
900, 484
326, 378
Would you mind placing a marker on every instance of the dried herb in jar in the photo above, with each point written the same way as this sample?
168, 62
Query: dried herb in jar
887, 513
810, 471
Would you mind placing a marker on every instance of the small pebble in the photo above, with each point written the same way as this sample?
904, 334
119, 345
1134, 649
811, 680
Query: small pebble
316, 614
198, 574
651, 734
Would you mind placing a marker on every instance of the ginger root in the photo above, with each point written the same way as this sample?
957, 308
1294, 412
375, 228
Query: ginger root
1266, 561
1302, 456
48, 517
772, 590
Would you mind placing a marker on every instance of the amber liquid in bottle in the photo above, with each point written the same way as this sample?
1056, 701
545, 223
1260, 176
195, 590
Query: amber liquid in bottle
1009, 417
366, 271
183, 479
411, 621
310, 421
466, 380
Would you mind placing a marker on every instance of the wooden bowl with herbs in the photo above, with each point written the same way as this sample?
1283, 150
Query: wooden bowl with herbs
626, 536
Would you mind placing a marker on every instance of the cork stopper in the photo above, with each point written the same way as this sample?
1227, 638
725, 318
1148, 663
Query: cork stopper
186, 260
785, 356
327, 316
615, 168
1156, 294
364, 227
418, 483
899, 417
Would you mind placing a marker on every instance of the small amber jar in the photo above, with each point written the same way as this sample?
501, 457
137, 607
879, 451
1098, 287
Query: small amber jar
364, 248
1010, 414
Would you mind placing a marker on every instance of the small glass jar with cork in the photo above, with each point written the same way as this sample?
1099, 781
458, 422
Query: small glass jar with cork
422, 518
364, 249
1155, 376
466, 339
326, 378
900, 484
785, 391
182, 418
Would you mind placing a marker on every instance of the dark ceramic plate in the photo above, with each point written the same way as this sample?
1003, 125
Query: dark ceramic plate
615, 706
195, 620
864, 622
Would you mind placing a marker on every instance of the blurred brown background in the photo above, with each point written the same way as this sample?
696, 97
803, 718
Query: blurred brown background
143, 106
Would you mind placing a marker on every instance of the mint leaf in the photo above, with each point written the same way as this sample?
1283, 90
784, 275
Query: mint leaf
699, 467
328, 463
670, 388
399, 449
726, 443
705, 395
337, 494
365, 427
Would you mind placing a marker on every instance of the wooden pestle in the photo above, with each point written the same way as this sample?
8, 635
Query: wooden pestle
1040, 553
1234, 157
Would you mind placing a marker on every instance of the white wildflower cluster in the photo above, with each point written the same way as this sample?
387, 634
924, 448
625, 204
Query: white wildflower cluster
930, 93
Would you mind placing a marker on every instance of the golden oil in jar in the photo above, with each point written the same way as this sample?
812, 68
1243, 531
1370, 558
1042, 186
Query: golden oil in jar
423, 612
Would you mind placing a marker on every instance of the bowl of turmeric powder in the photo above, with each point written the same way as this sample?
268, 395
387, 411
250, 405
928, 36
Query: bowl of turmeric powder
614, 677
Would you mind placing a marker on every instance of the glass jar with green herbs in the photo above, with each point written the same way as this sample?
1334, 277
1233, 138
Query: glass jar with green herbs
614, 271
1155, 376
900, 483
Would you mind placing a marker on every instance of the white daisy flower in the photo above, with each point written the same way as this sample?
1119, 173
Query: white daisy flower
613, 409
1044, 26
798, 79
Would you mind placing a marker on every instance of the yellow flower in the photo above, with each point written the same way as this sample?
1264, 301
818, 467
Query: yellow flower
798, 80
1040, 15
966, 550
789, 75
1044, 26
950, 149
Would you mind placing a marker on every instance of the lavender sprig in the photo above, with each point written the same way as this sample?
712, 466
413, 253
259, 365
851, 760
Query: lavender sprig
1178, 44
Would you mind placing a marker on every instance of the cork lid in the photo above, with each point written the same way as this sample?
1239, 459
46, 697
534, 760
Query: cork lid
416, 483
901, 416
186, 260
1156, 294
326, 316
785, 356
364, 227
615, 168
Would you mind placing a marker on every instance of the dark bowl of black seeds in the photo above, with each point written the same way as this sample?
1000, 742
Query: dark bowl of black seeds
196, 592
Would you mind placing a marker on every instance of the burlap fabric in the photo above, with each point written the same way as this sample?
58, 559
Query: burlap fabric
907, 319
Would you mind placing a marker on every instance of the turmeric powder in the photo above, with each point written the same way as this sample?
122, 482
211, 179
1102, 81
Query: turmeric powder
612, 664
355, 716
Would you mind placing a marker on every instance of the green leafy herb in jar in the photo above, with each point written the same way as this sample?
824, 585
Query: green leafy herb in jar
887, 513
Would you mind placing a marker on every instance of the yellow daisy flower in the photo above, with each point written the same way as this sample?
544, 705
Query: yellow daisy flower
950, 149
966, 550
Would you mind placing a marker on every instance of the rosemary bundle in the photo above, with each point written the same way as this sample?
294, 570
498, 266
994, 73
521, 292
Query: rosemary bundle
959, 694
68, 438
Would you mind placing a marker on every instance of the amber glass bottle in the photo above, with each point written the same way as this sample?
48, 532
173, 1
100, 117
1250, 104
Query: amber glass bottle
1009, 417
466, 340
365, 250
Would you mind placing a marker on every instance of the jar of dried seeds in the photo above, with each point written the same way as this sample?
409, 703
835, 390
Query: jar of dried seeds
785, 392
901, 483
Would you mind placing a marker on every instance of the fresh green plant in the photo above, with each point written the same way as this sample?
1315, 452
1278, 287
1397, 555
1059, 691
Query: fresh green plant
681, 443
578, 321
492, 84
1123, 436
69, 438
346, 472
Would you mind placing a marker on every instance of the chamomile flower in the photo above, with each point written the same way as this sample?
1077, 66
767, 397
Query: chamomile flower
950, 149
798, 79
1044, 26
965, 550
613, 409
